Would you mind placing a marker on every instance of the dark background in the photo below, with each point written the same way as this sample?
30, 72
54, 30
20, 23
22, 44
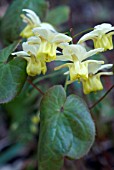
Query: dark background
84, 14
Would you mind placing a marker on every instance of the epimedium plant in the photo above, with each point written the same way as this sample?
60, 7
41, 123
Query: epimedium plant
66, 127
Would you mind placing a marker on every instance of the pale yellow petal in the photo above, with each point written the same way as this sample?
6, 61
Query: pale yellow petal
20, 53
34, 40
105, 66
93, 83
61, 38
30, 49
94, 66
27, 31
93, 52
104, 28
48, 26
32, 15
88, 36
44, 33
63, 58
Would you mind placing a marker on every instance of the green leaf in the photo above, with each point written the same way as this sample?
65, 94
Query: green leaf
4, 53
58, 15
67, 128
13, 75
11, 24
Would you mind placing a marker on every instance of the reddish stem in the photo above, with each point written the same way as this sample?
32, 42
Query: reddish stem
37, 88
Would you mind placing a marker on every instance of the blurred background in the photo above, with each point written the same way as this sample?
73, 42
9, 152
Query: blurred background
19, 119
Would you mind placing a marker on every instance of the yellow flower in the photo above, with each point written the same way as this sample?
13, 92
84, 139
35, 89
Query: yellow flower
35, 66
32, 21
101, 36
93, 83
49, 42
76, 54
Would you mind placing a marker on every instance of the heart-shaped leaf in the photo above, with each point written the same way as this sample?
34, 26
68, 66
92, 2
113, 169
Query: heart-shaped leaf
67, 129
12, 74
12, 22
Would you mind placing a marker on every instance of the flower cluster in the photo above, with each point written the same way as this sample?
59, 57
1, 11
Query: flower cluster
101, 36
86, 71
41, 44
43, 41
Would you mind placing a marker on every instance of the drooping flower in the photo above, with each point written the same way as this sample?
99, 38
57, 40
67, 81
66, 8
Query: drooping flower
93, 83
101, 36
35, 66
76, 54
33, 21
49, 42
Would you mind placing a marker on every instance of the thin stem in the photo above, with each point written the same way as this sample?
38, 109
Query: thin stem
71, 34
101, 98
82, 32
37, 88
65, 86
